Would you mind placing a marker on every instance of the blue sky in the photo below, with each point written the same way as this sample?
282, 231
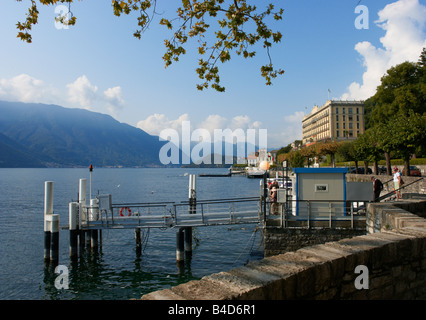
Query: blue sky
100, 66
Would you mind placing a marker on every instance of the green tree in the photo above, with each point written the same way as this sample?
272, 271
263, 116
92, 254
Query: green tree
405, 134
328, 148
364, 149
395, 113
228, 24
286, 149
403, 88
346, 151
296, 159
308, 153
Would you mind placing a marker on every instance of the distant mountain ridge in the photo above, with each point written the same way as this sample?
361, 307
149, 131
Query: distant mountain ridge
40, 135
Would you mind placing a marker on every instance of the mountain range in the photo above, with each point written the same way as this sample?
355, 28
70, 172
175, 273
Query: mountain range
40, 135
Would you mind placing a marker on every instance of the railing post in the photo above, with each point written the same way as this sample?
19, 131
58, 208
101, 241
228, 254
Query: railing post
202, 213
309, 213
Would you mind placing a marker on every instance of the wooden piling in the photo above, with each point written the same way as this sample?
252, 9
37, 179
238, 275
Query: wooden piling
94, 239
180, 245
54, 243
82, 240
138, 240
188, 241
47, 240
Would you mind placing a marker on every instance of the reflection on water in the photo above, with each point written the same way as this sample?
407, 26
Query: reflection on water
116, 270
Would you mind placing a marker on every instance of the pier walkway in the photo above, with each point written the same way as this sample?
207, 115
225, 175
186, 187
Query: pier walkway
107, 215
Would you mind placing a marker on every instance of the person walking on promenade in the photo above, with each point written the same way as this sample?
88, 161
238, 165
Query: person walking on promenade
397, 182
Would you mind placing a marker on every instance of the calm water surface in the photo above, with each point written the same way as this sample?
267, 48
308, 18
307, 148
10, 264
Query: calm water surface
116, 271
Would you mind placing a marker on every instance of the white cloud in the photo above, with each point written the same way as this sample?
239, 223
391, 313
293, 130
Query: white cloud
404, 23
213, 121
81, 91
25, 88
114, 99
155, 123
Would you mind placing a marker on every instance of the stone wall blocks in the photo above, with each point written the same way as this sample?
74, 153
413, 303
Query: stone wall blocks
395, 259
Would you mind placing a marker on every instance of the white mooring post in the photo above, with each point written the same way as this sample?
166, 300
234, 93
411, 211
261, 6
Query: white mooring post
82, 216
82, 199
48, 211
73, 226
192, 195
54, 244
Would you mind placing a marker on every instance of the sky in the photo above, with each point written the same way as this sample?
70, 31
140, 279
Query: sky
331, 49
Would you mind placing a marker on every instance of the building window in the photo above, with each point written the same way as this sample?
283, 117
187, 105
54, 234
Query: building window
343, 110
350, 125
337, 110
337, 133
337, 125
350, 110
337, 117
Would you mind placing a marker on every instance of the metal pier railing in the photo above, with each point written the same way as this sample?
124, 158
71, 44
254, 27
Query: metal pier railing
170, 214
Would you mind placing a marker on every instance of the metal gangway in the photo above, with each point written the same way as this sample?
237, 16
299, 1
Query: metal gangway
107, 215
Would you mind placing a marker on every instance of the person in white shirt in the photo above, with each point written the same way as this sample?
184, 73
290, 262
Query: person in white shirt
397, 182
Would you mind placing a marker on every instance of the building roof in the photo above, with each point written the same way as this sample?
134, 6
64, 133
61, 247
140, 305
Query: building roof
320, 170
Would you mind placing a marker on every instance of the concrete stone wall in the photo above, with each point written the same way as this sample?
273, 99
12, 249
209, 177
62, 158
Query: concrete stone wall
418, 188
281, 240
393, 258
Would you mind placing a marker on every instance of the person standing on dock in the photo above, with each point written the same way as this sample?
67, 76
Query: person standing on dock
273, 194
377, 188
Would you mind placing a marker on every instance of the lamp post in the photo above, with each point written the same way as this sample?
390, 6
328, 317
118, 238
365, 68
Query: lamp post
264, 165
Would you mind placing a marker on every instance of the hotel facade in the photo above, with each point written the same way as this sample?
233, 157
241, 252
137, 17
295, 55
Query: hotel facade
336, 120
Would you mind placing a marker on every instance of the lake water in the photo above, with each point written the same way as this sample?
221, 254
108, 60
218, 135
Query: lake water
115, 271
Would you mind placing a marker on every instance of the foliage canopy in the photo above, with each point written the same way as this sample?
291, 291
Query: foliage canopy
229, 20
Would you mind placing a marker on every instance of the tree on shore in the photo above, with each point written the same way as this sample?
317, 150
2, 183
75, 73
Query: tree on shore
228, 25
398, 111
329, 148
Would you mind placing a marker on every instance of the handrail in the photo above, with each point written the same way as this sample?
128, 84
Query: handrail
214, 201
139, 204
400, 188
223, 199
